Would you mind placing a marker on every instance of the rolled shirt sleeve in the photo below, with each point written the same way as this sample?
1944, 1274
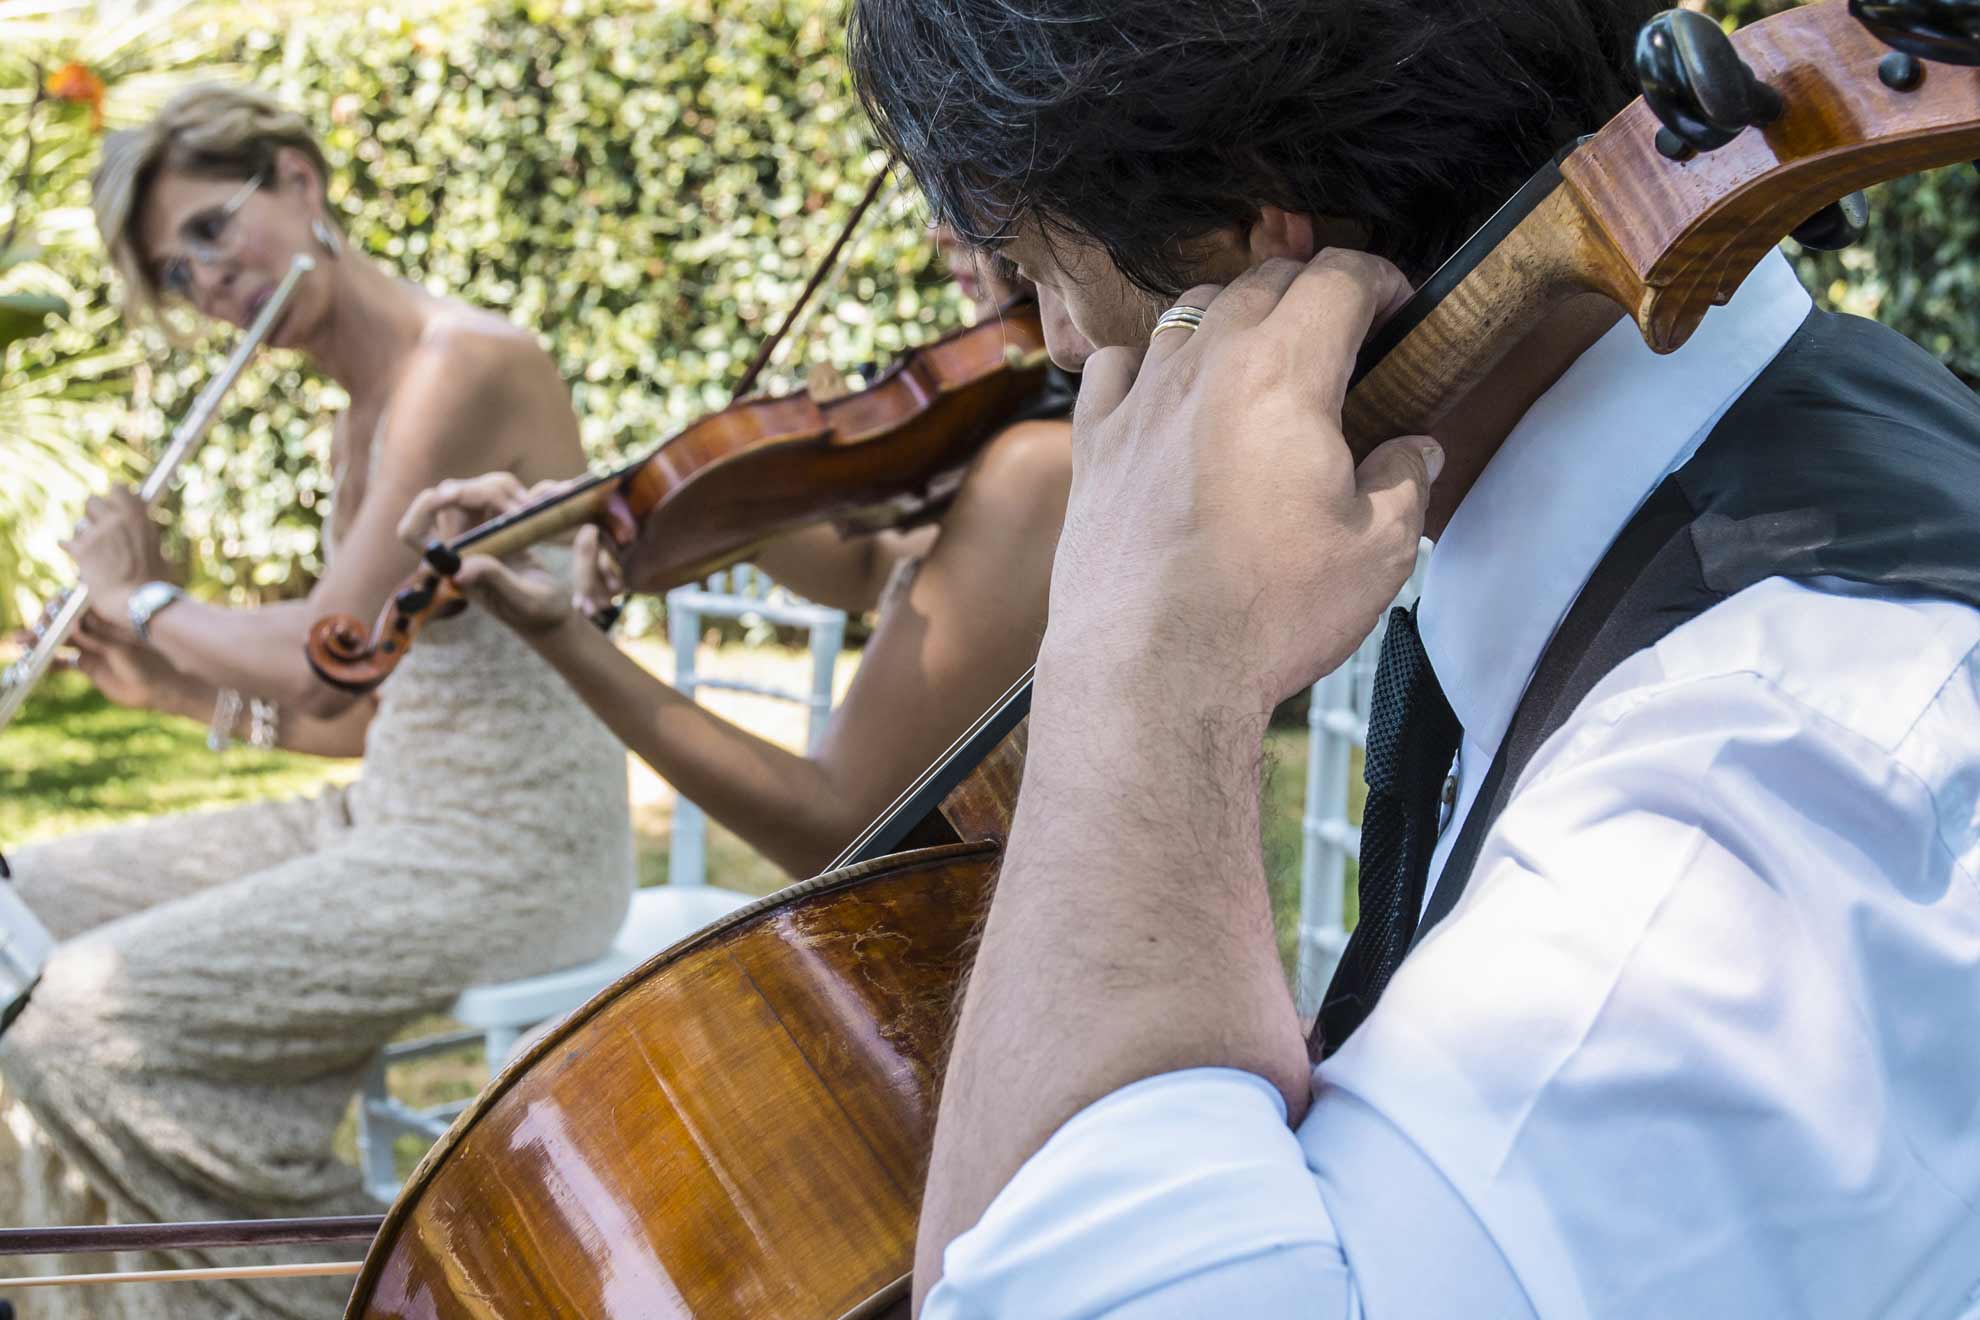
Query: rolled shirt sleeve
1185, 1196
1162, 1185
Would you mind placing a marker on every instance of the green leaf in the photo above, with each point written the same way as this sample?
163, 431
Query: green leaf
24, 314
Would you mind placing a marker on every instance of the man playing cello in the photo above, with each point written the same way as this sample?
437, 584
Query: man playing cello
1699, 1037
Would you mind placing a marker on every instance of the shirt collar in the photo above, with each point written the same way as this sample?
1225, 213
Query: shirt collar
1569, 477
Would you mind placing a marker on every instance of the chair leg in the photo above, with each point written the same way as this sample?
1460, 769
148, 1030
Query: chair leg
498, 1041
374, 1142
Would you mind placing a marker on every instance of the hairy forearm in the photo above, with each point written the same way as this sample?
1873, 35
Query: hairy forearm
791, 809
1131, 933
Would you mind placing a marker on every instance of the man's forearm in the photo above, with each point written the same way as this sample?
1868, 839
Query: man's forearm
1131, 933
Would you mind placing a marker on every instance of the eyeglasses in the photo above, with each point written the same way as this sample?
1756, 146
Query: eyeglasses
205, 235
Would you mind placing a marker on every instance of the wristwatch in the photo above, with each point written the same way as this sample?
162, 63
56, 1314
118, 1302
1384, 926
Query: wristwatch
146, 601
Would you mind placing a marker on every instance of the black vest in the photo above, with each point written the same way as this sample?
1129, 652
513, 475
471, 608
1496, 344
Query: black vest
1854, 455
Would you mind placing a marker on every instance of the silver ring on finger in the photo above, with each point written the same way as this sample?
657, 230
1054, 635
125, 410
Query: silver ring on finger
1180, 317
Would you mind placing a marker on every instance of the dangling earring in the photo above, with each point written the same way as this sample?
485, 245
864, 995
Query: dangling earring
327, 237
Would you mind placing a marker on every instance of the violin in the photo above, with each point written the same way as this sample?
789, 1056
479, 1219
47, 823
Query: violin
726, 484
740, 1128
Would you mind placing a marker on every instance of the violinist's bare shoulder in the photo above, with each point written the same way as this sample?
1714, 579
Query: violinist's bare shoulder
1014, 495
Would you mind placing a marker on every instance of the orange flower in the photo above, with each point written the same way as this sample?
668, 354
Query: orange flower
79, 85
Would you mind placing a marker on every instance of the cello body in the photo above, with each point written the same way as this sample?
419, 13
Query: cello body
737, 1130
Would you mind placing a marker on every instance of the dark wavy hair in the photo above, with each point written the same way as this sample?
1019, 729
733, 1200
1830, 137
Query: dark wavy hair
1145, 123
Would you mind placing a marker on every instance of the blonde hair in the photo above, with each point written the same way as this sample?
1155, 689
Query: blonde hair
211, 131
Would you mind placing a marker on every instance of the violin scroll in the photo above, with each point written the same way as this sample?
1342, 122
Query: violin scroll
341, 653
344, 654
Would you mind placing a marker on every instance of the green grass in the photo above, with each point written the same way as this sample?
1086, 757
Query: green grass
1281, 814
72, 761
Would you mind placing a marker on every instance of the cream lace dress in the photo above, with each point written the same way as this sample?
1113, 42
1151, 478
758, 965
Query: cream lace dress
224, 977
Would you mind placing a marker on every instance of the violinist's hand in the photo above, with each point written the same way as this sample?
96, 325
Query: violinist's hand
1221, 546
520, 591
597, 576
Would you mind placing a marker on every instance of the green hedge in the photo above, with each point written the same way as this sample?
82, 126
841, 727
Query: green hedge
647, 186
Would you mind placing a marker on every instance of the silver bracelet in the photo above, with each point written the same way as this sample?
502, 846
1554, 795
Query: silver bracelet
226, 710
264, 724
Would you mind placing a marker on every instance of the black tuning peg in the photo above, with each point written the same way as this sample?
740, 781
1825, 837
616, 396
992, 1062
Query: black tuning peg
1947, 31
1697, 84
440, 557
1836, 226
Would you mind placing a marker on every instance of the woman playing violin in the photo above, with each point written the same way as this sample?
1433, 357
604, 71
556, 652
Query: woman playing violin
225, 977
961, 606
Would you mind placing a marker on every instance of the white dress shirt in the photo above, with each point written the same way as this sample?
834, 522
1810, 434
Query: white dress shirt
1702, 1038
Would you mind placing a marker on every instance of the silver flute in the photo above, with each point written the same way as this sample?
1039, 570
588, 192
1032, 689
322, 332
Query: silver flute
66, 611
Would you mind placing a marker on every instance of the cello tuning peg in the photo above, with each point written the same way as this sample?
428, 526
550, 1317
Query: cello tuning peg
1697, 85
1901, 71
1947, 31
1835, 226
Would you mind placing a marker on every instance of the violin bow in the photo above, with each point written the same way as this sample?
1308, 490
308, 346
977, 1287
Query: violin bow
826, 266
211, 1233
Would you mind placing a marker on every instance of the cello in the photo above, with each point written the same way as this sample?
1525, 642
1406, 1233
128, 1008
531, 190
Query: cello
740, 1127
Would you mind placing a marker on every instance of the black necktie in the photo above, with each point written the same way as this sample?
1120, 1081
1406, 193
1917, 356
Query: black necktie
1412, 736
